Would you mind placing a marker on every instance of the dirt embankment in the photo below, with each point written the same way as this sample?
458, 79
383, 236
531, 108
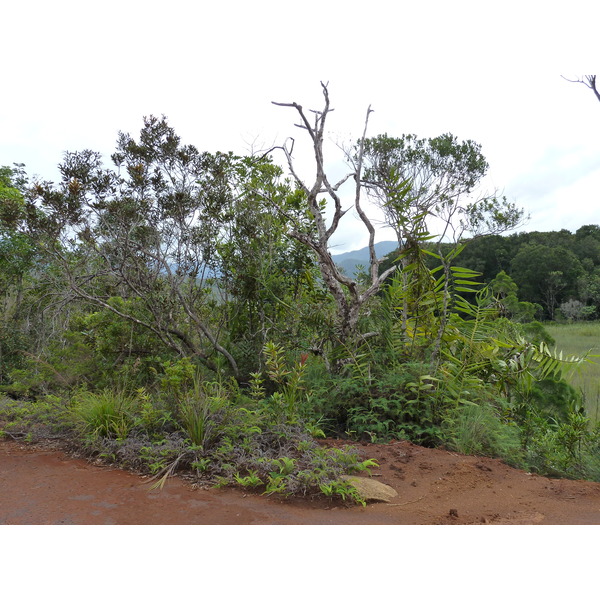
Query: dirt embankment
46, 486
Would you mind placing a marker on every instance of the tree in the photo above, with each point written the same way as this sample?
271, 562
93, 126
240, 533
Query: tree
589, 81
16, 249
349, 297
418, 181
17, 258
160, 228
267, 279
546, 275
588, 288
488, 255
587, 244
505, 291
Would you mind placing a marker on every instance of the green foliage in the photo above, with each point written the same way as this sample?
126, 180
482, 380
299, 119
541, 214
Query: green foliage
12, 203
392, 404
290, 394
553, 399
202, 412
251, 480
106, 414
536, 333
139, 299
179, 378
13, 346
505, 292
550, 268
566, 449
31, 420
210, 433
547, 274
480, 429
344, 489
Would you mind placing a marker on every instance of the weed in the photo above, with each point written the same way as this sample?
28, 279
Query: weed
106, 414
199, 411
479, 430
343, 489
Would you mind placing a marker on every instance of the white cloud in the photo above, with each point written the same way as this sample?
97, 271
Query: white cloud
80, 72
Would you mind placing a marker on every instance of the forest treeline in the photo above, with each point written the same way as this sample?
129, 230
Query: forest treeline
179, 309
542, 276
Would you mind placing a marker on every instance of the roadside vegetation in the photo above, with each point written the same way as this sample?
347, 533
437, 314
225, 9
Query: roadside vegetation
179, 311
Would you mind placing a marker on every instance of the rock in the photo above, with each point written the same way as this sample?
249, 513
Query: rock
370, 489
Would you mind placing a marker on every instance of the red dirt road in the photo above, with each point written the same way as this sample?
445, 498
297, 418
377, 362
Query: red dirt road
46, 486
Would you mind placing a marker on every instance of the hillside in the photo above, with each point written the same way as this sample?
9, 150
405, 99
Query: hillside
350, 261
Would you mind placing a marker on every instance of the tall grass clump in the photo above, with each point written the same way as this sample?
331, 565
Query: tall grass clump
105, 414
481, 430
202, 410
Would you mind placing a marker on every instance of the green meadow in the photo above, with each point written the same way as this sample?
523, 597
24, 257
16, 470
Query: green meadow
582, 339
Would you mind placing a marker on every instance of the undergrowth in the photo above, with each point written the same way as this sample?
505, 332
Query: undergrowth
207, 429
484, 395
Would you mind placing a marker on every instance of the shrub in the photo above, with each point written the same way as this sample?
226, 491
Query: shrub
536, 333
34, 420
554, 399
401, 403
568, 449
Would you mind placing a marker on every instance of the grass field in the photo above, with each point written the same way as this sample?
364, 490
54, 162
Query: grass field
580, 339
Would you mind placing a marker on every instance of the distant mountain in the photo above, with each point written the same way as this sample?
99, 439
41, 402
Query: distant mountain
349, 261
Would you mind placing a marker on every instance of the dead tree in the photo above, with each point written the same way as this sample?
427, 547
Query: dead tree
349, 296
589, 81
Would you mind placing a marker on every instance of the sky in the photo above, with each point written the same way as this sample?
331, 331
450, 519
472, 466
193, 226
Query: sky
74, 74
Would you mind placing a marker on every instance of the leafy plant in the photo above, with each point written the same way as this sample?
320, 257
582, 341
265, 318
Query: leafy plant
481, 430
108, 413
343, 489
250, 480
201, 411
291, 391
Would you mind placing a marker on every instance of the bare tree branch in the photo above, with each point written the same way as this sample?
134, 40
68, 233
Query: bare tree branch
345, 290
590, 82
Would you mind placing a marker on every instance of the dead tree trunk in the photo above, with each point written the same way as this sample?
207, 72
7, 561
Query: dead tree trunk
347, 293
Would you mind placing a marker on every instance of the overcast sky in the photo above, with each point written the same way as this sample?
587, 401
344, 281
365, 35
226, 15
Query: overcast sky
75, 73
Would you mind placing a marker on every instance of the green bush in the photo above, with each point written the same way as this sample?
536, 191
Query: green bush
554, 399
401, 403
535, 332
569, 449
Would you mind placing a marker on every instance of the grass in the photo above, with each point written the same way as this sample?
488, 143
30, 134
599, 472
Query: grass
581, 339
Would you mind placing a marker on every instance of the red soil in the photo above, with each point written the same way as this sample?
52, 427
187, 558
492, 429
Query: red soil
42, 485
